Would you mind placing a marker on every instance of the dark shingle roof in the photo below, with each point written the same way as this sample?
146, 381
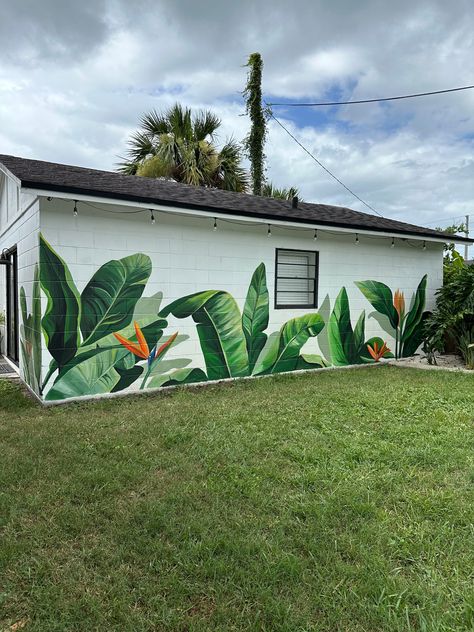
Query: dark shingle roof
51, 176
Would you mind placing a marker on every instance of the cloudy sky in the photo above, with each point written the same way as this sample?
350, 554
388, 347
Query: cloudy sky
75, 77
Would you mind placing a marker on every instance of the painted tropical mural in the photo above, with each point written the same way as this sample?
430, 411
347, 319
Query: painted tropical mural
109, 337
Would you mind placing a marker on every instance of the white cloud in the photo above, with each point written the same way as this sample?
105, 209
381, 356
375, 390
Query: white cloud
76, 77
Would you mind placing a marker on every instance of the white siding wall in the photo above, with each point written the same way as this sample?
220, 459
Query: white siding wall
188, 256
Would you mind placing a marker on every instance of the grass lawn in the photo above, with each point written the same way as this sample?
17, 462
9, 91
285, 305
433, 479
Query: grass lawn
333, 501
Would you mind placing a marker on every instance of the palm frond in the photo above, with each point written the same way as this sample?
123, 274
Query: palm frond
205, 124
154, 124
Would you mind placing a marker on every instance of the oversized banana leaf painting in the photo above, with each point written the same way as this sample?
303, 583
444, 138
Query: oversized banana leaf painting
110, 338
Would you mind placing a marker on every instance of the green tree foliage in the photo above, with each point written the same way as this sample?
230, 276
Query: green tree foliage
180, 146
269, 190
255, 141
453, 260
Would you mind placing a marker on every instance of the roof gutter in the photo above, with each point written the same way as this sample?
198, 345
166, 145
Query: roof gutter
198, 211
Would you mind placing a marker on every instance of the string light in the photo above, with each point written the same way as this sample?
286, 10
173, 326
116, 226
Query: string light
269, 231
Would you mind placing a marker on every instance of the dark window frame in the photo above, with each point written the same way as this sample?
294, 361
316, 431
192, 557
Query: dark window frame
312, 305
12, 332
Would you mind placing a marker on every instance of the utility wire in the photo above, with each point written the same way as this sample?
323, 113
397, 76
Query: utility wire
321, 164
404, 96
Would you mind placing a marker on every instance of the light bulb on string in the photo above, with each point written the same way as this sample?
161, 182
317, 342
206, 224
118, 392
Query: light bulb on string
424, 245
315, 237
357, 239
393, 243
215, 224
269, 231
152, 217
75, 208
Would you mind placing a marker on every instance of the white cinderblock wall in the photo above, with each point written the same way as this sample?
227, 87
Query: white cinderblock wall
19, 226
188, 256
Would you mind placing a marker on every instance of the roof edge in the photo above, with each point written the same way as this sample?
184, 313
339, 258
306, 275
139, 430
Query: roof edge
295, 220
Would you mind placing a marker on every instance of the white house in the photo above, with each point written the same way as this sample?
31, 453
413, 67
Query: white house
116, 283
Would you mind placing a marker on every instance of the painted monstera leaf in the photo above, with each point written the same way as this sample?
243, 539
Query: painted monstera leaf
219, 326
61, 318
412, 335
380, 297
255, 315
108, 300
283, 351
94, 376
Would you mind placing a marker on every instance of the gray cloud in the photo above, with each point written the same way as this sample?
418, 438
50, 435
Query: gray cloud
75, 78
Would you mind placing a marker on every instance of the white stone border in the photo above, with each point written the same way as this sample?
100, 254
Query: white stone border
209, 383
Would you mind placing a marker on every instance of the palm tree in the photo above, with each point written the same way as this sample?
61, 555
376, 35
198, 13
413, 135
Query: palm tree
269, 190
178, 145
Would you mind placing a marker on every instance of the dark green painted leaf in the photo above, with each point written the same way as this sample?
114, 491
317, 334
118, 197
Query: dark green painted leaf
180, 376
61, 319
108, 300
412, 334
284, 351
127, 377
219, 327
380, 297
93, 376
411, 343
344, 343
255, 315
359, 333
36, 327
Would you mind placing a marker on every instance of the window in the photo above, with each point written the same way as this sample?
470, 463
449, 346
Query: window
296, 276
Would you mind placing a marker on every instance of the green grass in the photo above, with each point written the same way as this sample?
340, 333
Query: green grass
340, 500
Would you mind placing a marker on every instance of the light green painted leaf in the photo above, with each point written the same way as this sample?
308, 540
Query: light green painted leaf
312, 361
181, 376
108, 301
61, 318
380, 297
219, 327
255, 315
94, 376
284, 351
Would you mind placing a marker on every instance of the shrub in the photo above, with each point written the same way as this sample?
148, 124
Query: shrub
452, 322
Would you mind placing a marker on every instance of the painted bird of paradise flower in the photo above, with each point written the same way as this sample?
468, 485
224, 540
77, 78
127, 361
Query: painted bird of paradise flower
377, 352
142, 350
407, 324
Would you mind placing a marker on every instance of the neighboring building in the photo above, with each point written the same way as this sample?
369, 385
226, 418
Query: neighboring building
251, 285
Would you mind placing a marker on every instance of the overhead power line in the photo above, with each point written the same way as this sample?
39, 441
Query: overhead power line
323, 166
404, 96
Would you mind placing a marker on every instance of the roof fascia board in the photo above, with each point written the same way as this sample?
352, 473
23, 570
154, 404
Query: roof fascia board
10, 175
211, 213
